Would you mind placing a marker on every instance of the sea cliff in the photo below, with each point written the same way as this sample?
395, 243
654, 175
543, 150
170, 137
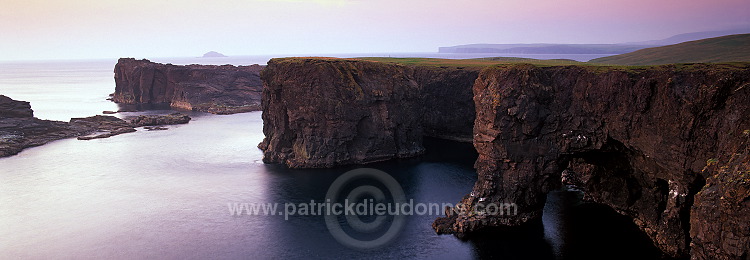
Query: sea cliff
320, 112
224, 89
637, 139
663, 145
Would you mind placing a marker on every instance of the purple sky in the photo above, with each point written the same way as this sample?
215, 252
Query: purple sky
44, 29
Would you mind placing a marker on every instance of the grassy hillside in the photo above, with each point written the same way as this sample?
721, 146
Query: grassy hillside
483, 62
729, 48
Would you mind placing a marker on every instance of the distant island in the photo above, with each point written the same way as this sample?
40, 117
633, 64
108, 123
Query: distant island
555, 48
213, 54
545, 48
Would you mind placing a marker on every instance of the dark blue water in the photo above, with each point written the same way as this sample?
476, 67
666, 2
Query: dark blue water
167, 194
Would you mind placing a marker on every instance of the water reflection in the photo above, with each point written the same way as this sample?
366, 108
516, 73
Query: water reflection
166, 193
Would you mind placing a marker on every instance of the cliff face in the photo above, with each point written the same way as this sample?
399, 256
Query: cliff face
637, 140
720, 217
222, 89
321, 112
447, 101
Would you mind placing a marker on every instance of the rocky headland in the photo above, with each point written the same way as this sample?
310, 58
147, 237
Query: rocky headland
19, 129
320, 112
224, 89
663, 145
637, 138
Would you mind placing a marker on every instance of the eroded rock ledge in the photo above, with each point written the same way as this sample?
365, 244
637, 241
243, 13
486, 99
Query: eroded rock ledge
224, 89
19, 129
636, 139
320, 112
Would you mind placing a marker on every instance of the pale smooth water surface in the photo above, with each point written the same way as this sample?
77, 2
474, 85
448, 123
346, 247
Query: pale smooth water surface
165, 194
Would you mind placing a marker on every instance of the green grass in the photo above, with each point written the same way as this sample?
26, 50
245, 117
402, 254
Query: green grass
732, 48
511, 61
483, 62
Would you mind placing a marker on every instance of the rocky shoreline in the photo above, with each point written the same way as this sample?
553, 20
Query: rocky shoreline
19, 129
220, 90
637, 139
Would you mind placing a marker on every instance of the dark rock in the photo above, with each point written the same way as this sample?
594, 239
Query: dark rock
19, 130
720, 217
635, 140
447, 101
321, 112
156, 120
109, 112
18, 133
155, 128
222, 89
326, 112
14, 108
128, 109
106, 134
101, 126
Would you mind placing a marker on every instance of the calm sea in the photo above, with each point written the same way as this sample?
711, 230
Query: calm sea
170, 194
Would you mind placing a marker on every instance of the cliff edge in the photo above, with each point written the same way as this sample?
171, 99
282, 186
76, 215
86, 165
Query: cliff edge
663, 145
322, 112
224, 89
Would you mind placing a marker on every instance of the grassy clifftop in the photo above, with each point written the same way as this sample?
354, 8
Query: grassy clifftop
732, 48
482, 62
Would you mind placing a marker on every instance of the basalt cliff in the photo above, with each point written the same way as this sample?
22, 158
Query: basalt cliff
636, 139
664, 145
224, 89
326, 112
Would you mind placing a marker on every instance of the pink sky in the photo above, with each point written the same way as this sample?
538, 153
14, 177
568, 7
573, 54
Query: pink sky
43, 29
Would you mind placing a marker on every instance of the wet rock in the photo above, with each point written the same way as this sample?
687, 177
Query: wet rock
157, 120
101, 126
17, 133
155, 128
20, 130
